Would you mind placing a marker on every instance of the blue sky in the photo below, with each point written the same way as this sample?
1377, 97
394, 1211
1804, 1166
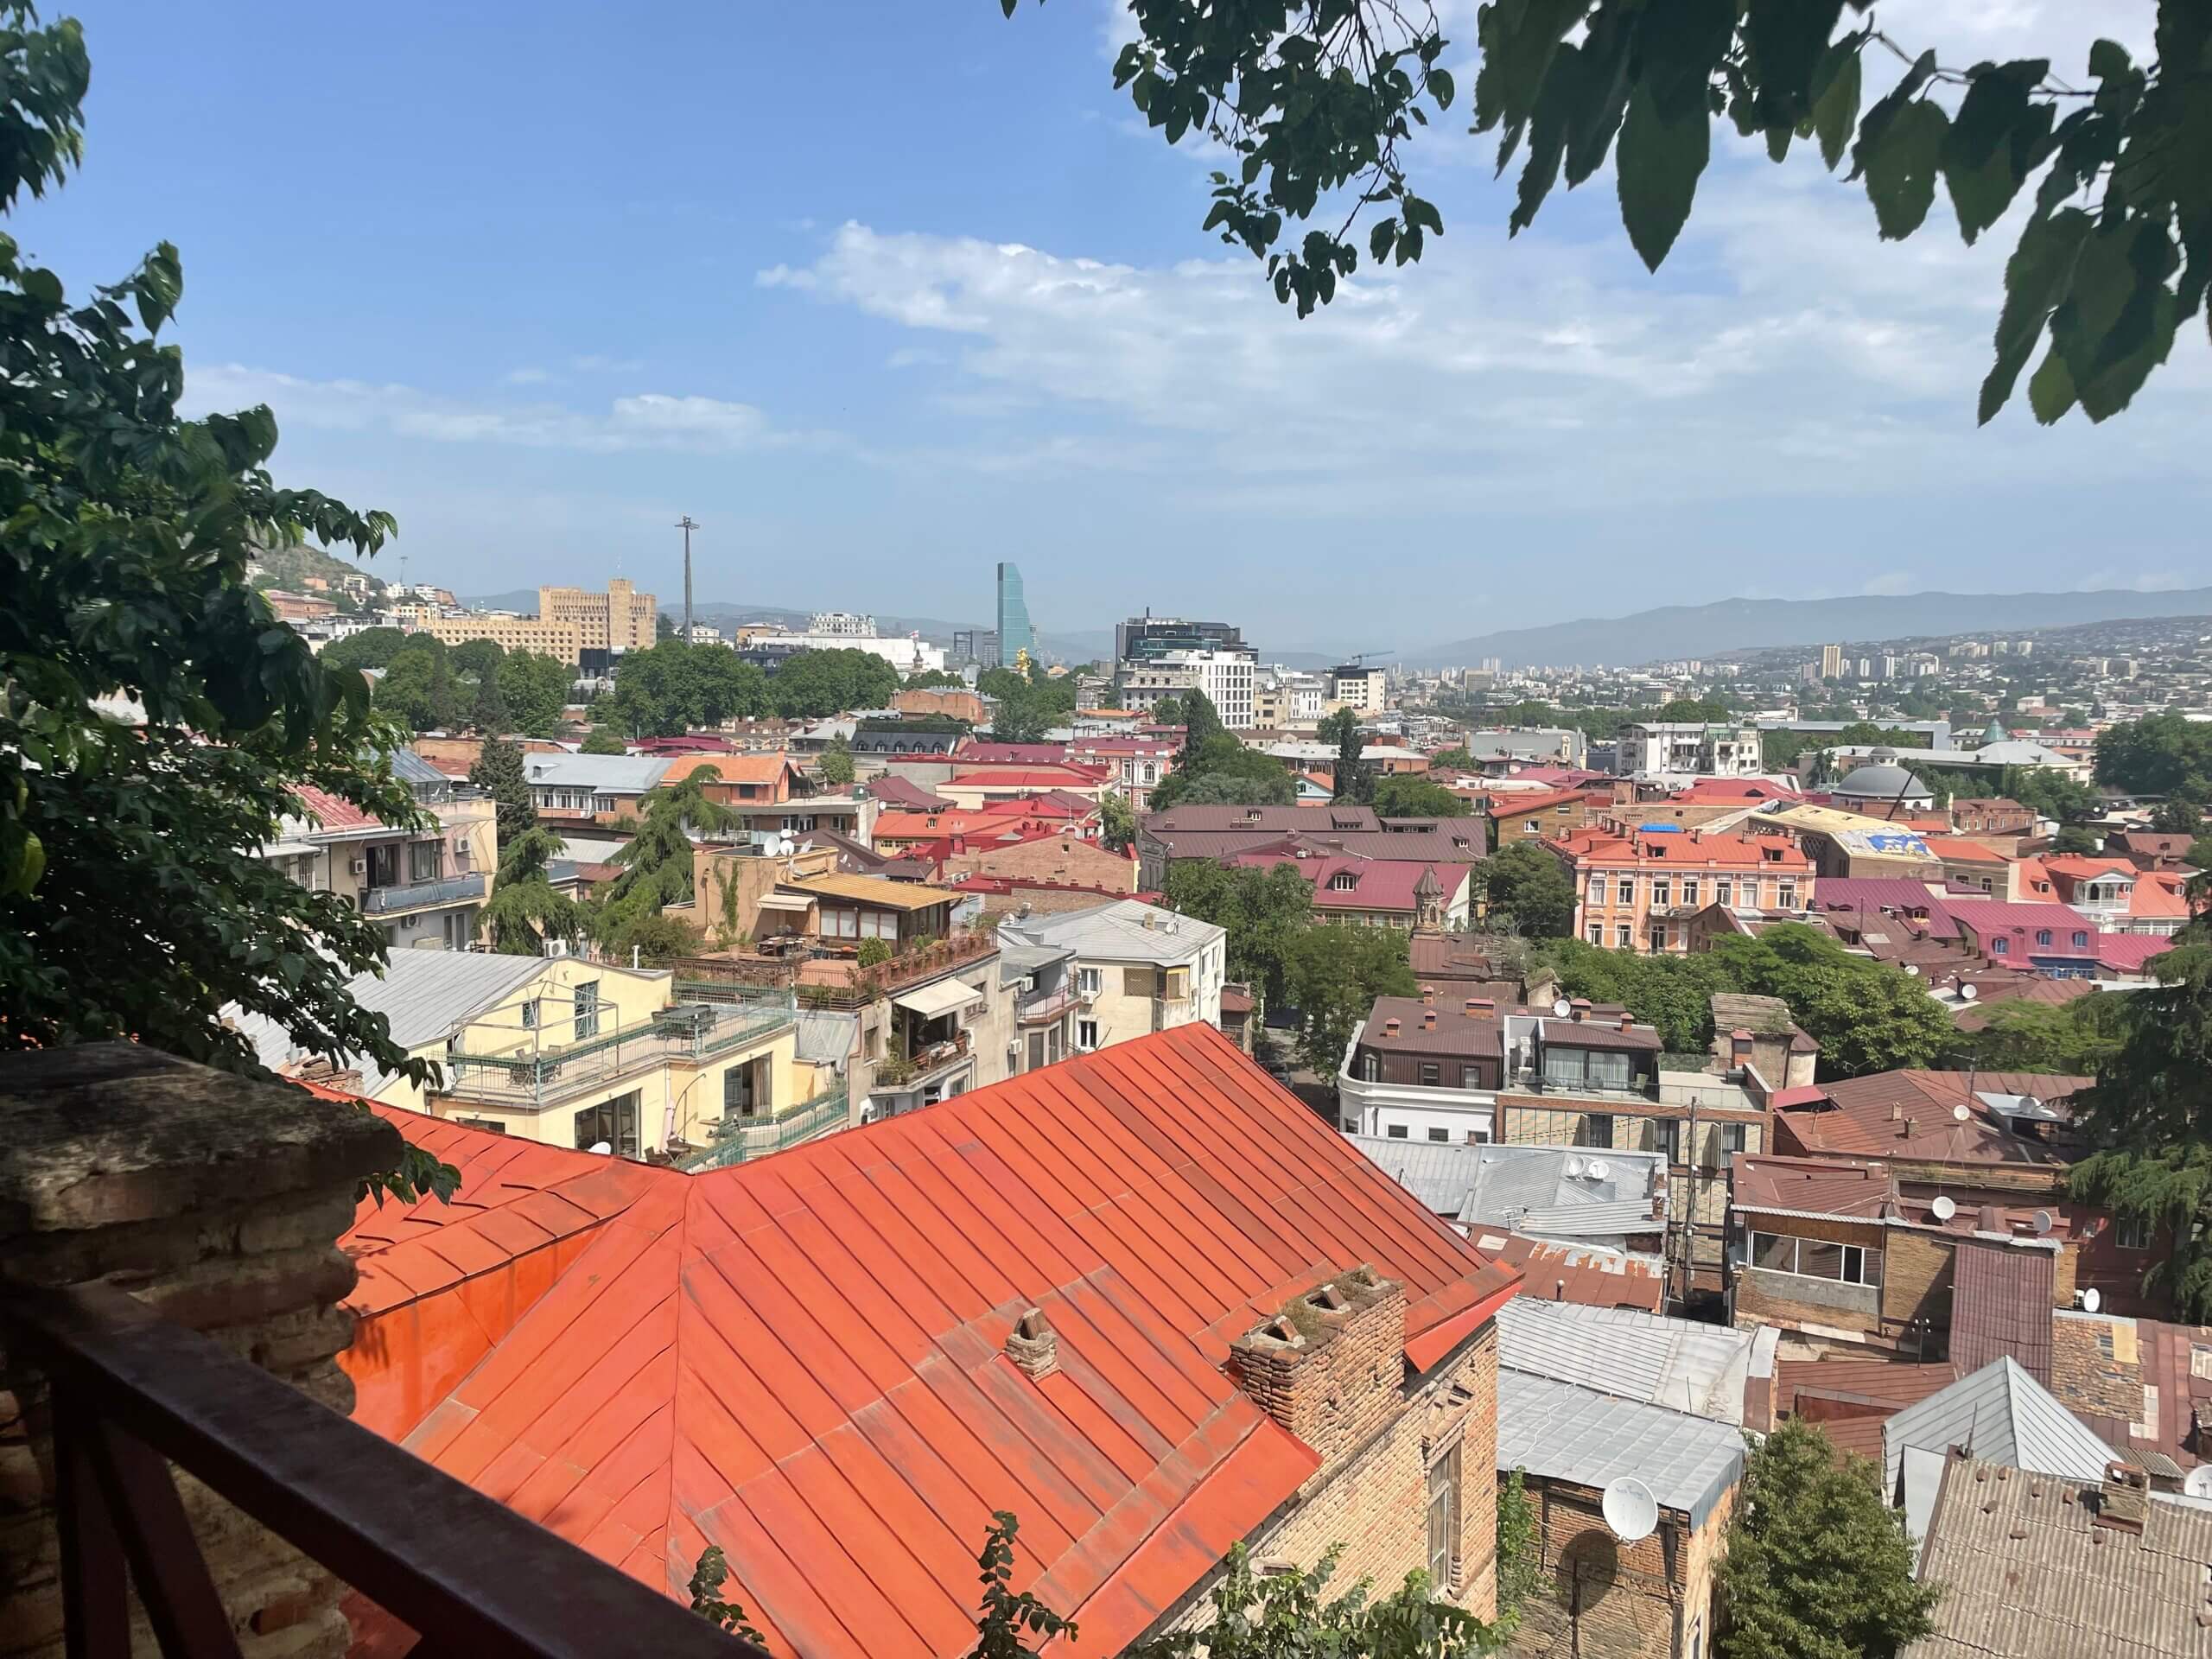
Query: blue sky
883, 293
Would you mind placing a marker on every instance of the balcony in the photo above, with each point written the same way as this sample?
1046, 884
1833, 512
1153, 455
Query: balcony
1043, 1008
838, 983
903, 1074
687, 1033
742, 1138
420, 895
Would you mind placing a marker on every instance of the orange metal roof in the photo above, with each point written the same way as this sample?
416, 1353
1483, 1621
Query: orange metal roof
801, 1359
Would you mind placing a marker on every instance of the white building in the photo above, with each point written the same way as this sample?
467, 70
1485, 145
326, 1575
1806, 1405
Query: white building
1136, 968
1352, 686
1690, 747
1226, 676
908, 654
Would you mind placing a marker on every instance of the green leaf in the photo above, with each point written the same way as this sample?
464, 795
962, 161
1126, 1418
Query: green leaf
1555, 105
2050, 388
1901, 168
1380, 239
1978, 158
1440, 87
1783, 40
2036, 280
1887, 108
2137, 345
1836, 108
1600, 94
1423, 213
2107, 59
1657, 169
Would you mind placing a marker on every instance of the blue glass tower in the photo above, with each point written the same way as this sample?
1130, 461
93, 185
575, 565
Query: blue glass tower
1015, 632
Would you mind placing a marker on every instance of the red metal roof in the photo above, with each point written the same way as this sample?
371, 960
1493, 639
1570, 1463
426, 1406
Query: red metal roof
2000, 1304
333, 813
801, 1359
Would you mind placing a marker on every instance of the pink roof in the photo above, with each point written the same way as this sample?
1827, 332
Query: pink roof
2129, 952
1993, 918
1383, 883
333, 813
975, 752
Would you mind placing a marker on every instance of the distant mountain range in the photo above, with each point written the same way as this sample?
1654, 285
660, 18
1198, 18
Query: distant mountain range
1077, 647
1746, 625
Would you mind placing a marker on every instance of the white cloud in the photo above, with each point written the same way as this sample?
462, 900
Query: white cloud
644, 421
527, 376
593, 363
1892, 582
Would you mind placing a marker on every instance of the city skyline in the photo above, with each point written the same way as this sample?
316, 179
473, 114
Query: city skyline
893, 362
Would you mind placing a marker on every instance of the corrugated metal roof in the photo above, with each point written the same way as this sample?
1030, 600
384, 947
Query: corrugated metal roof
1678, 1363
2000, 1306
825, 1037
2029, 1573
800, 1359
615, 775
2000, 1414
1559, 1432
1116, 933
411, 768
1501, 1185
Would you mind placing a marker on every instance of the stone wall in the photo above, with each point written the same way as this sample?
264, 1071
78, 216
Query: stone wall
1916, 1279
218, 1202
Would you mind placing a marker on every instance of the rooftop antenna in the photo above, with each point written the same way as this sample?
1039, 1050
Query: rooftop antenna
687, 525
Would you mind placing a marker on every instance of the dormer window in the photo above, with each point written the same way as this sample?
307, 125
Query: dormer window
2080, 941
1343, 882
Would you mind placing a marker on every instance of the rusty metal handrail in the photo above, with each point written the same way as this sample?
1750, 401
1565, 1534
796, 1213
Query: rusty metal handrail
466, 1572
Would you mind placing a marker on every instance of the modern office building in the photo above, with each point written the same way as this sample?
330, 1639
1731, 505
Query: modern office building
1015, 635
1146, 638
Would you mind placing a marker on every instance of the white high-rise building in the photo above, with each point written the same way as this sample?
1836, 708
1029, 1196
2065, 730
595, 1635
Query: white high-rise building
1226, 676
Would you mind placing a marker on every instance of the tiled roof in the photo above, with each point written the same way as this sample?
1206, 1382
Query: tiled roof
1586, 1273
980, 751
2129, 952
1808, 1186
1690, 849
1870, 1116
1380, 884
1960, 850
896, 792
730, 768
1988, 918
800, 1359
1025, 777
1887, 1384
2000, 1306
2030, 1571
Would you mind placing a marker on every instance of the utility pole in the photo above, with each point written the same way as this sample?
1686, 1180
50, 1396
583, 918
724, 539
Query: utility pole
687, 525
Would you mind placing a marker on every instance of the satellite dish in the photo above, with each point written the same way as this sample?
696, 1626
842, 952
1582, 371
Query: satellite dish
1562, 1007
1959, 1113
1944, 1208
2197, 1482
1596, 1172
1967, 993
1574, 1167
2091, 1301
1912, 970
605, 1148
2044, 1223
1629, 1509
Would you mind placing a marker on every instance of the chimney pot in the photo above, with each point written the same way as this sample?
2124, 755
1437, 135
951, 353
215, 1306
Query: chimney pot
1390, 1027
1428, 1020
1428, 994
1628, 1020
1033, 1346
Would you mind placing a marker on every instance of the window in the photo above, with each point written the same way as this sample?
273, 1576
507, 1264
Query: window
1815, 1258
1689, 890
529, 1014
1086, 980
745, 1091
1597, 933
1724, 891
587, 1011
1471, 1077
2080, 941
1439, 1135
1786, 896
1734, 1135
1179, 984
1598, 888
2000, 947
1478, 1137
1432, 1074
1397, 1131
1343, 882
1666, 1139
2131, 1233
613, 1122
1136, 981
492, 1123
1086, 1033
1624, 936
2043, 935
1627, 886
1662, 892
1597, 1130
1444, 1518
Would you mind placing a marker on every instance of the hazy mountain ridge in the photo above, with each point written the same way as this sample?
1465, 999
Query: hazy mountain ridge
1743, 624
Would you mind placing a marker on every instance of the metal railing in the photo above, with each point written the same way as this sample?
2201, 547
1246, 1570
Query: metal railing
1041, 1005
686, 1034
132, 1393
918, 963
383, 901
742, 1138
911, 1071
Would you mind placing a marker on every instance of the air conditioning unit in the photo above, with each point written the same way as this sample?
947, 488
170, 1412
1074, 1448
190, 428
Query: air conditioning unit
360, 867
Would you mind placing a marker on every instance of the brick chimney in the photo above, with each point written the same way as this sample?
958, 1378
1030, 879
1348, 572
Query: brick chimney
1428, 1020
1328, 1367
2123, 1498
1033, 1346
1580, 1009
1480, 1005
1739, 1045
1428, 996
1628, 1020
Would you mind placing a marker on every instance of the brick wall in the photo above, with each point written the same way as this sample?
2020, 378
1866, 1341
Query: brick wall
2095, 1366
1787, 1299
1916, 1279
218, 1202
1606, 1600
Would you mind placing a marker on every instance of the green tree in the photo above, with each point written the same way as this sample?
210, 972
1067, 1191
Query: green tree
370, 648
2073, 839
1452, 760
1671, 994
646, 937
1520, 1552
2077, 1038
601, 739
838, 761
1317, 108
2149, 1117
418, 688
1201, 722
1117, 822
1865, 1015
2165, 754
1225, 773
1332, 974
1354, 777
133, 904
1263, 911
1529, 887
524, 910
1818, 1566
1019, 716
929, 678
2179, 816
499, 771
2047, 791
478, 658
1167, 711
655, 861
814, 684
1284, 1616
1407, 797
536, 689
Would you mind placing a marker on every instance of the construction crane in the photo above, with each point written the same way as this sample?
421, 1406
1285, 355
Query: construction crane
1358, 658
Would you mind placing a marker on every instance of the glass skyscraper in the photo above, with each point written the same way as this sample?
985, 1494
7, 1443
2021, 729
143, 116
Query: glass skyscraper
1014, 632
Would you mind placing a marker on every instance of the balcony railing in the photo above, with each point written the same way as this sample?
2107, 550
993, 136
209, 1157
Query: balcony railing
742, 1138
687, 1033
132, 1393
451, 890
700, 975
1042, 1007
911, 1071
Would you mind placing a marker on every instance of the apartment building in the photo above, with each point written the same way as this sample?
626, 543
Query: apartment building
1695, 747
1638, 891
424, 887
584, 629
1226, 676
1138, 967
1354, 686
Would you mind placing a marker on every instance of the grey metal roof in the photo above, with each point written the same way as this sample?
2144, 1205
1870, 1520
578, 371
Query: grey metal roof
1679, 1363
1018, 960
411, 768
2001, 1414
424, 994
1556, 1430
617, 775
1116, 933
1508, 1186
825, 1037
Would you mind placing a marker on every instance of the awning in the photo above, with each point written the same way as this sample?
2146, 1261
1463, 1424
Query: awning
793, 901
931, 1001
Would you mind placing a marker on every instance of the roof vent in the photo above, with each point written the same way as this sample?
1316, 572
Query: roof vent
1581, 1009
1390, 1027
1033, 1346
1480, 1004
1428, 996
1428, 1020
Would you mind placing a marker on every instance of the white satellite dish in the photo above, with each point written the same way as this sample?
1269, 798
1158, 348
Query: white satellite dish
605, 1148
1574, 1167
2197, 1482
1562, 1007
1629, 1509
1967, 993
1596, 1172
1944, 1208
1912, 970
2091, 1301
1959, 1112
2044, 1223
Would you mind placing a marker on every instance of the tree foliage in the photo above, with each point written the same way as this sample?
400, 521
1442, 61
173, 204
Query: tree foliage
1818, 1566
1026, 707
1264, 912
1671, 994
1223, 772
524, 909
1332, 974
2076, 1040
1286, 1616
1117, 821
2047, 791
602, 739
1354, 777
535, 688
370, 648
1317, 105
1529, 889
838, 761
1402, 795
2164, 754
815, 684
1520, 1552
669, 689
499, 771
418, 688
134, 904
655, 861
